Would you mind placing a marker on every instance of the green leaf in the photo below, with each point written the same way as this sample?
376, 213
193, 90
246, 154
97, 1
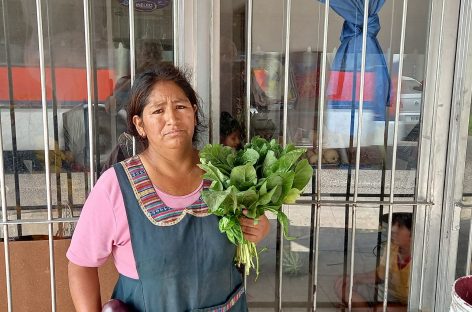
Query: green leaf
303, 174
285, 163
218, 155
269, 161
249, 156
283, 220
243, 177
213, 173
288, 149
274, 180
267, 198
247, 198
291, 196
231, 237
214, 199
263, 189
216, 186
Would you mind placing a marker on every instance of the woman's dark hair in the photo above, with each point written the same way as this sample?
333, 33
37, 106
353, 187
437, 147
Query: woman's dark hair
228, 125
143, 85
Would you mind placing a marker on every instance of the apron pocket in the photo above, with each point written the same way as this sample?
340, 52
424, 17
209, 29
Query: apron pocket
233, 299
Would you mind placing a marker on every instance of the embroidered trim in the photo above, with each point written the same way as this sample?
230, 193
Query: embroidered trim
230, 303
151, 204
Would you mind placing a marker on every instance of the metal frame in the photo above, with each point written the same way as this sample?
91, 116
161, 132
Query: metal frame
3, 199
440, 52
434, 252
424, 204
457, 146
46, 150
249, 17
215, 72
6, 249
316, 213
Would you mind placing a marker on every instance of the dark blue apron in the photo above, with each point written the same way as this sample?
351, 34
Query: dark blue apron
183, 261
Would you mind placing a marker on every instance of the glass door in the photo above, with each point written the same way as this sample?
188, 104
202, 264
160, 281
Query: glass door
363, 101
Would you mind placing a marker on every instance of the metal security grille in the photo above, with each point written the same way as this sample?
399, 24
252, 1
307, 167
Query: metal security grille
352, 202
66, 184
49, 73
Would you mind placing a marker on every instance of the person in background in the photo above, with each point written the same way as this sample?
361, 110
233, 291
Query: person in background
147, 212
399, 272
149, 54
230, 131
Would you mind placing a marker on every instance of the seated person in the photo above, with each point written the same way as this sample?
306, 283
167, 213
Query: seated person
230, 131
399, 273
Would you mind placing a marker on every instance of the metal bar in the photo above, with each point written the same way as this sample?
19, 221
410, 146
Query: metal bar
317, 253
350, 195
320, 148
361, 98
464, 206
278, 268
132, 53
11, 106
6, 248
88, 62
96, 138
469, 250
358, 147
44, 103
362, 204
353, 240
286, 72
423, 254
387, 261
322, 97
215, 72
311, 257
176, 33
248, 68
132, 48
394, 153
280, 239
57, 160
40, 221
3, 199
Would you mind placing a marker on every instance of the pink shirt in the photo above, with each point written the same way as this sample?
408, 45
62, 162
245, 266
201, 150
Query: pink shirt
103, 228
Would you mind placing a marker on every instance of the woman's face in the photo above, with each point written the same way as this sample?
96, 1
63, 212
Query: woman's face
168, 119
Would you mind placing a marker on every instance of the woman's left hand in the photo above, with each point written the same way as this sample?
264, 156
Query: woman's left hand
254, 232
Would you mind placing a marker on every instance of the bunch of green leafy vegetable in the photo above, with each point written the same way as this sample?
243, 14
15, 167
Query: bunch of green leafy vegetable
260, 177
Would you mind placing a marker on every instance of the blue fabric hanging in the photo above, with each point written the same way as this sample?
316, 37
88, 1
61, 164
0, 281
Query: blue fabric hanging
344, 81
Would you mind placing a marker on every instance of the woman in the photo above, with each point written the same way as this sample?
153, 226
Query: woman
147, 212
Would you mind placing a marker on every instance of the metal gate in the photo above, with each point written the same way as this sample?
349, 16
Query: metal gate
375, 110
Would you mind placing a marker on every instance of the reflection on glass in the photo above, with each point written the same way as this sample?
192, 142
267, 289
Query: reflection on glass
369, 287
66, 88
340, 126
154, 44
268, 70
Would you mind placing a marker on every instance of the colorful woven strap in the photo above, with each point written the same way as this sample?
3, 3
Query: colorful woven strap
230, 303
152, 206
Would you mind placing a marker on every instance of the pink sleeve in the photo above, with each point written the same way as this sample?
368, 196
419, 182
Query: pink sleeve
95, 232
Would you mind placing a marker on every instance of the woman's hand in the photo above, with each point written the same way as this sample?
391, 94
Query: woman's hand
254, 232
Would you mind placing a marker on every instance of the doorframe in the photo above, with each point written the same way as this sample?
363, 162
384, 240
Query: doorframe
456, 157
